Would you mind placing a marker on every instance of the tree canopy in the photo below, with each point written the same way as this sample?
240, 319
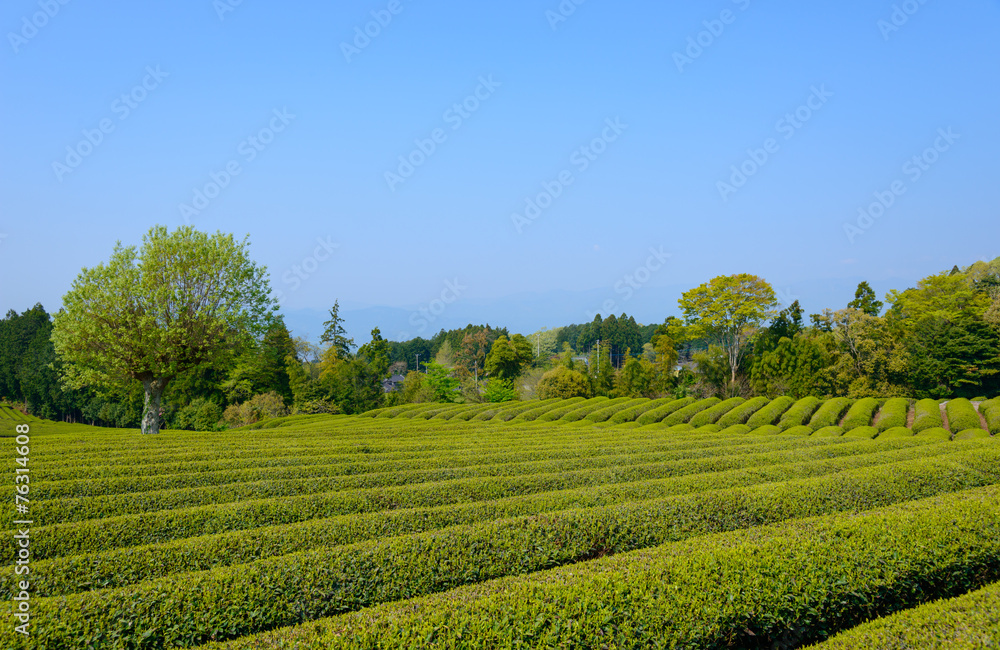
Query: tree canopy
183, 300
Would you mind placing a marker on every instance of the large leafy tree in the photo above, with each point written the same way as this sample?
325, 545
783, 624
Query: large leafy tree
728, 310
185, 299
507, 359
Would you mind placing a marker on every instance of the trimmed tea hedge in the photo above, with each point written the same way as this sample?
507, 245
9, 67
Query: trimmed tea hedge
860, 414
962, 415
711, 415
742, 413
800, 413
184, 609
685, 414
969, 622
893, 414
830, 413
660, 412
778, 586
927, 415
770, 413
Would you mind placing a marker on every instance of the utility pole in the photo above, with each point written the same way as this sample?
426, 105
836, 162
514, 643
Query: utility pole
418, 363
598, 357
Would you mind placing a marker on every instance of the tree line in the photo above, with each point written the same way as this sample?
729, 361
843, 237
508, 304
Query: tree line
183, 333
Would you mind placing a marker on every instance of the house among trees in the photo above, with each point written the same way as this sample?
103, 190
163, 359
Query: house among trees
393, 384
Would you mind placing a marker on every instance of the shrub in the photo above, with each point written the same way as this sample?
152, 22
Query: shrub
800, 413
860, 414
742, 413
927, 415
962, 415
862, 432
829, 432
660, 412
991, 411
895, 432
199, 415
500, 390
711, 415
770, 413
563, 383
685, 414
893, 414
801, 430
829, 414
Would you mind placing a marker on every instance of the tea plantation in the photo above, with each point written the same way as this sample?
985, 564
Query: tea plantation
600, 523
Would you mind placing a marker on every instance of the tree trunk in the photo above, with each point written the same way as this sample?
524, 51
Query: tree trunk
151, 405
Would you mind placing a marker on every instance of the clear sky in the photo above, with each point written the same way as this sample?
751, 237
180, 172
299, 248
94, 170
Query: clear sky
632, 120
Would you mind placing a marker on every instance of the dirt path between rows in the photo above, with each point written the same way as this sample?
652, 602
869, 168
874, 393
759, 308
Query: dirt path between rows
944, 417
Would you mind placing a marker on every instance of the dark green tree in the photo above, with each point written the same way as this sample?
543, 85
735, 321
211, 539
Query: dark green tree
865, 300
334, 333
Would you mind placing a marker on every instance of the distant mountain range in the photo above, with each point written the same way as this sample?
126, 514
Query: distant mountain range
529, 311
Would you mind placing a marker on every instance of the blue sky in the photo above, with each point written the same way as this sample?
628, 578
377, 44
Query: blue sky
838, 96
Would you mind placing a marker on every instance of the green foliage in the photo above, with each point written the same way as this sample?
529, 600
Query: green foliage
927, 415
865, 300
685, 414
500, 390
962, 415
507, 359
441, 382
991, 411
830, 413
770, 413
561, 382
893, 414
728, 310
800, 413
199, 415
184, 300
657, 414
963, 623
339, 574
713, 414
376, 354
334, 333
861, 413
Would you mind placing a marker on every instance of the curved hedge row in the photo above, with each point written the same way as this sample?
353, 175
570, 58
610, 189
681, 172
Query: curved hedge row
742, 413
937, 434
120, 567
896, 432
655, 415
830, 413
770, 413
927, 415
506, 411
968, 622
894, 413
185, 609
594, 405
533, 414
684, 415
745, 588
962, 415
713, 414
632, 414
829, 432
860, 414
567, 407
991, 411
862, 432
604, 414
800, 413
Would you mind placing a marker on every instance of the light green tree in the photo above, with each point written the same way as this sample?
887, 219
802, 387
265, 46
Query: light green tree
728, 311
185, 299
